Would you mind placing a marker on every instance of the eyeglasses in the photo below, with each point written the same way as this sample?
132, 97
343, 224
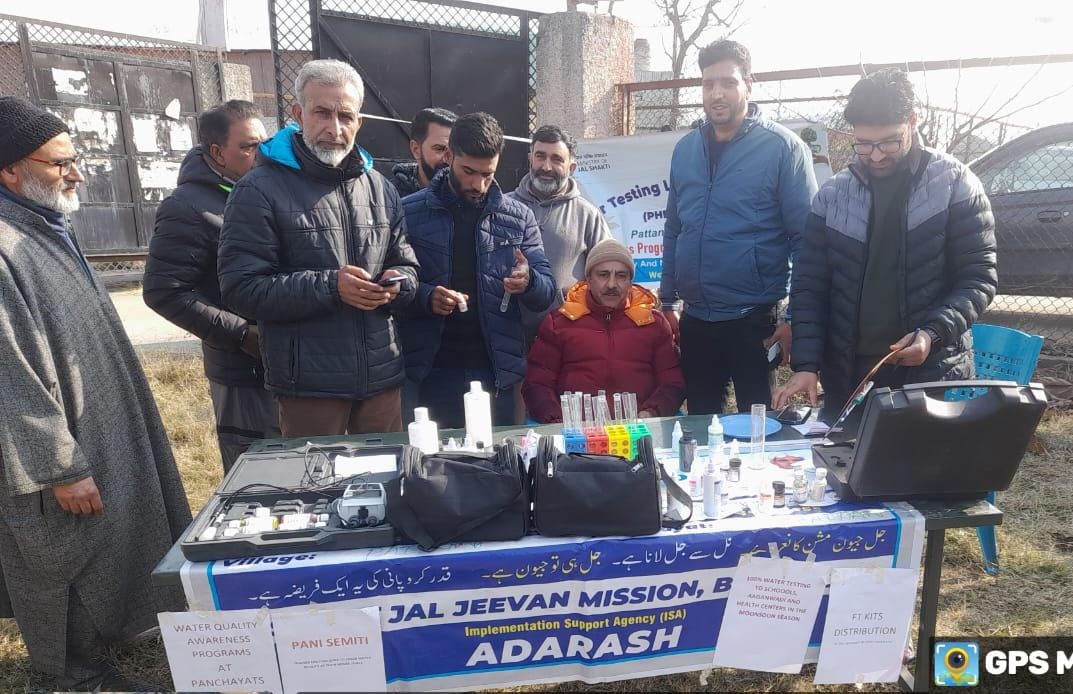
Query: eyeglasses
886, 147
63, 166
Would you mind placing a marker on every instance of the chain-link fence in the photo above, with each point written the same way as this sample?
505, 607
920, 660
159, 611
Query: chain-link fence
293, 38
990, 115
131, 104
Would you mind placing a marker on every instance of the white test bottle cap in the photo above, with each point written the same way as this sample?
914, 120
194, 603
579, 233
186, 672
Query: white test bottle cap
475, 387
421, 414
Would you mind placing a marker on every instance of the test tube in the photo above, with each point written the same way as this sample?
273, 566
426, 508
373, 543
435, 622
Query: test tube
575, 410
759, 422
618, 407
631, 412
599, 414
588, 410
564, 404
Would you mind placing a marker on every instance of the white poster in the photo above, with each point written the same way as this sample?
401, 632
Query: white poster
628, 179
70, 82
330, 650
221, 651
770, 611
179, 137
868, 619
144, 133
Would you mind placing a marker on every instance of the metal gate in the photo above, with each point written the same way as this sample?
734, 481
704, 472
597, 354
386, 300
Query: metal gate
412, 54
131, 104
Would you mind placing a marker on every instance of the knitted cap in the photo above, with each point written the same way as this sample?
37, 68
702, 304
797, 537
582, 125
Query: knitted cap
608, 249
23, 128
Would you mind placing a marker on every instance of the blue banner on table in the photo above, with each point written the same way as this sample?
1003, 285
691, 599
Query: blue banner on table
547, 610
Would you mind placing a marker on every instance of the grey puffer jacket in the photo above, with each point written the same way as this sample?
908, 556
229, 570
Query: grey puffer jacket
947, 267
289, 225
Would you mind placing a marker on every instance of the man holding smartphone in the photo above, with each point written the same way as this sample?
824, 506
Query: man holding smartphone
314, 248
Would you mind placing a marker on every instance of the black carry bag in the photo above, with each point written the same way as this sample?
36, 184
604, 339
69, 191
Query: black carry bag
460, 497
596, 495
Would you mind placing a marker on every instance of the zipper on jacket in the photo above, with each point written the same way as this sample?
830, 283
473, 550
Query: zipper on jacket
480, 312
358, 322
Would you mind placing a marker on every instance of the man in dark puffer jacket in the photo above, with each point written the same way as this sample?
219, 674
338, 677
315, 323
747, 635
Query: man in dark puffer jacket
181, 283
899, 255
429, 132
481, 256
309, 238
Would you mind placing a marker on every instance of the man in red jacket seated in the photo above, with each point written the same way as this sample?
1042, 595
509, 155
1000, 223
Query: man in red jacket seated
608, 335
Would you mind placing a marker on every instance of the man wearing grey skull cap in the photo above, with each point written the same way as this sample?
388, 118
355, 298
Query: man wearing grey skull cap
90, 496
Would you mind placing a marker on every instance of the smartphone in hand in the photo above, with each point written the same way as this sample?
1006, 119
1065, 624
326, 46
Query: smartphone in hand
388, 281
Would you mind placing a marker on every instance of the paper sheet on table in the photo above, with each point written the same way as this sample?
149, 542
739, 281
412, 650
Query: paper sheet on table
330, 650
202, 660
811, 428
348, 466
770, 612
869, 613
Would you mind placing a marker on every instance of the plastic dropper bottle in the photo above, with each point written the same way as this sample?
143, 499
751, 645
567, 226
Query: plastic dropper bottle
676, 436
712, 493
478, 406
424, 434
715, 436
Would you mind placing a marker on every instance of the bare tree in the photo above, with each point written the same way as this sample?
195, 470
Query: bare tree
960, 132
689, 21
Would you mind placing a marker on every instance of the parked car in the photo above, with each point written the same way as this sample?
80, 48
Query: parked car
1030, 183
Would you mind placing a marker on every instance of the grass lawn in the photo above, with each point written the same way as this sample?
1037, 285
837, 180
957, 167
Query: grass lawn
1033, 594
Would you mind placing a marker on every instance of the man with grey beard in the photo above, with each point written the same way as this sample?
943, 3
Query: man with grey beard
90, 496
570, 225
313, 247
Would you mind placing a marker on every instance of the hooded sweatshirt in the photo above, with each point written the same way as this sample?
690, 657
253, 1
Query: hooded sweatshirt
569, 226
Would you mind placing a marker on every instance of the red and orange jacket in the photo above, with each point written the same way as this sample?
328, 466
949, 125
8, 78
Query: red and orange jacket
586, 347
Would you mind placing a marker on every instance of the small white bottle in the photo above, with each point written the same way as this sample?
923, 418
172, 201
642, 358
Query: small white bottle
712, 492
478, 406
715, 436
424, 434
676, 437
819, 485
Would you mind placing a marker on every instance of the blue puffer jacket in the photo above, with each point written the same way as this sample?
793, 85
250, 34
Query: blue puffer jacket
947, 267
506, 224
728, 241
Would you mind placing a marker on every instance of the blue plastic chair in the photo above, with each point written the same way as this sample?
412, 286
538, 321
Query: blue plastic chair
1001, 354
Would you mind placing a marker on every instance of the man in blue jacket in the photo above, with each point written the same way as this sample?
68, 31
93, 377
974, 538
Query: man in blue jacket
481, 256
741, 186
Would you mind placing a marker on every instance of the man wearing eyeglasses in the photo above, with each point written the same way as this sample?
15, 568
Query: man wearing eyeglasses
90, 497
181, 282
899, 256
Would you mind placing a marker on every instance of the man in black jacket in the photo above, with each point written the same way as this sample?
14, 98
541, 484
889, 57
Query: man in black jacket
429, 133
899, 256
181, 283
314, 248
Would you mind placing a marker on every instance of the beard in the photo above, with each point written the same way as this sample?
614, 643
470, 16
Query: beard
470, 196
332, 156
546, 184
430, 170
49, 196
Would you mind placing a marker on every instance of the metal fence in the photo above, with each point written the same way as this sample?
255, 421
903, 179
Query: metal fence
131, 103
1029, 180
291, 30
